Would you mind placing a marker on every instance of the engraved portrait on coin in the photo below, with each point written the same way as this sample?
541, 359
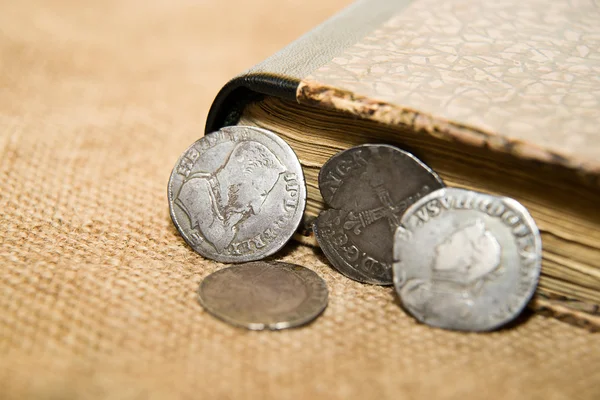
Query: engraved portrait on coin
465, 260
368, 188
233, 194
238, 194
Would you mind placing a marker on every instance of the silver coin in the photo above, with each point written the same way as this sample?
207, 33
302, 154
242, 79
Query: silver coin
368, 188
264, 295
466, 260
237, 194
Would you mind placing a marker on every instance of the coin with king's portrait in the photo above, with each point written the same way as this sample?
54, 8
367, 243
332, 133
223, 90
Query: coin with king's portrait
237, 194
368, 188
466, 260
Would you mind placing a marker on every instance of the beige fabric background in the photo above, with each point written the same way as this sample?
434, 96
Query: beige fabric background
97, 291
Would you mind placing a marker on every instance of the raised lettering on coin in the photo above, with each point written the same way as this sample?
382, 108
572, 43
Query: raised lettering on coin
237, 195
368, 188
466, 260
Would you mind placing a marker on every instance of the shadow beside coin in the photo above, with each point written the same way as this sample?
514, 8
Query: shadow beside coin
522, 318
285, 251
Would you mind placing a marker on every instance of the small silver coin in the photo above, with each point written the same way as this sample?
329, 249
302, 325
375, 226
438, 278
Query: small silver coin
238, 194
264, 295
465, 260
368, 188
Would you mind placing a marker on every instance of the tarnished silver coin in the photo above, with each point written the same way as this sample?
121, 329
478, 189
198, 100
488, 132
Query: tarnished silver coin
264, 295
465, 260
237, 194
368, 188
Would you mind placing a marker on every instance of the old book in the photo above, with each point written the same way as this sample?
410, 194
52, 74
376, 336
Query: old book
502, 97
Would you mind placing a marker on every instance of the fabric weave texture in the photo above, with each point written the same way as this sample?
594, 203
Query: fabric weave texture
98, 293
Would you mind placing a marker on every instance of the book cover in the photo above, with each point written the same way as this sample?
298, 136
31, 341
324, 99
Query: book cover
514, 83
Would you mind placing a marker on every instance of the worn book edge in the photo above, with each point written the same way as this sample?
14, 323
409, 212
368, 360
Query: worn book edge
315, 94
305, 236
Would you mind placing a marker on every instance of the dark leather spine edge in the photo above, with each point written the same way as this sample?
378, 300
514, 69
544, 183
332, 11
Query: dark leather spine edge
280, 74
229, 103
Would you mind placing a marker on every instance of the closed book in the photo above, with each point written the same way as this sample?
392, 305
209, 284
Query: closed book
500, 97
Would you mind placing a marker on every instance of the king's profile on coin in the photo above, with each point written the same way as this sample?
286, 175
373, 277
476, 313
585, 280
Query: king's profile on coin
237, 195
462, 263
234, 194
466, 260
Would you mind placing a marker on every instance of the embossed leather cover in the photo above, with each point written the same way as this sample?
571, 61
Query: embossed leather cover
520, 77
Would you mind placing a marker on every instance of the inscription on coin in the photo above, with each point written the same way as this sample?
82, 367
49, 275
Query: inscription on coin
368, 188
465, 260
238, 194
264, 295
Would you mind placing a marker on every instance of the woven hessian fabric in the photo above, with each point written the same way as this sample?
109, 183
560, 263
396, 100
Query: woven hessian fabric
98, 291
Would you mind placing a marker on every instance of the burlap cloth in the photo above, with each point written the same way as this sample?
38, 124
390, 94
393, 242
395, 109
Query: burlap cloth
98, 292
